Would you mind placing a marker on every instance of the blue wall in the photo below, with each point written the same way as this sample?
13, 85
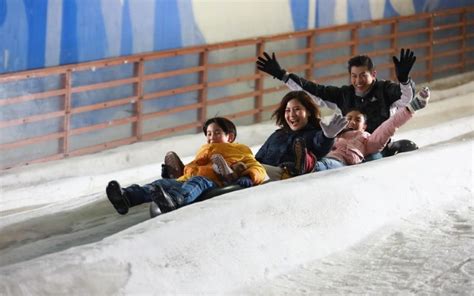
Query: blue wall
43, 33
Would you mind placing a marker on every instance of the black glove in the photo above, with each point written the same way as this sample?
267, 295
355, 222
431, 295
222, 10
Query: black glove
270, 65
164, 172
404, 65
244, 182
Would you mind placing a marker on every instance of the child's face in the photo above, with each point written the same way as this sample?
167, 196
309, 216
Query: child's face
356, 121
215, 134
362, 78
296, 115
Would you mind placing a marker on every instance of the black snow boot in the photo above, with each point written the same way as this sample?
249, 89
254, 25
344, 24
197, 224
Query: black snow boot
399, 146
117, 197
164, 200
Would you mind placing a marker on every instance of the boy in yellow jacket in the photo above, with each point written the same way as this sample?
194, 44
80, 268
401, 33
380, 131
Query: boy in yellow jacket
199, 175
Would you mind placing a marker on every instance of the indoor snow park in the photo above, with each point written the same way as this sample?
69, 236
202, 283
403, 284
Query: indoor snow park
320, 147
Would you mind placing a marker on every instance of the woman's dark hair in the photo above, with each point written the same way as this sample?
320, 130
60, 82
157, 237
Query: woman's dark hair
360, 61
225, 124
305, 100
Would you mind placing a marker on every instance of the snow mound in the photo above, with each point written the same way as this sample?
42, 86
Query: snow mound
246, 236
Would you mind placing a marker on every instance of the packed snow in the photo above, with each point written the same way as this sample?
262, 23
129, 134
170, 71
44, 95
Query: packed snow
397, 225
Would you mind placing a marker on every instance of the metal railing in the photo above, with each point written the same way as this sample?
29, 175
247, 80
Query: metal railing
444, 39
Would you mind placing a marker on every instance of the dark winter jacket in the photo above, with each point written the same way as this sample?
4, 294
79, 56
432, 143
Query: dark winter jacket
375, 104
278, 148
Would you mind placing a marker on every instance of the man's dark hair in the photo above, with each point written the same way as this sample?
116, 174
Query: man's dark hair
305, 100
360, 61
225, 124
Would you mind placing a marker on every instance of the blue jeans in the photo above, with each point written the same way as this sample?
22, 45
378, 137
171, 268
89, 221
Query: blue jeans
327, 163
183, 193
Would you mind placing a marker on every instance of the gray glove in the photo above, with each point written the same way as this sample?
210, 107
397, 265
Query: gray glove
335, 126
419, 101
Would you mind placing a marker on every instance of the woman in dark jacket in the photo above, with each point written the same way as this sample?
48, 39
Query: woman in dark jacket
300, 140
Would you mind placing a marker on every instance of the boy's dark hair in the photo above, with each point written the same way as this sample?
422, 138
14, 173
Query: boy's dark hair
225, 124
360, 111
305, 100
360, 61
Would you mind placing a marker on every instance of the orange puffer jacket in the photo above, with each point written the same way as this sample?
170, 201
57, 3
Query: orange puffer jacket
232, 153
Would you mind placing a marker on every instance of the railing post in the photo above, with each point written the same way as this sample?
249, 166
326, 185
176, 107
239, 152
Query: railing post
202, 94
67, 112
394, 46
355, 44
138, 71
258, 104
429, 61
464, 38
309, 56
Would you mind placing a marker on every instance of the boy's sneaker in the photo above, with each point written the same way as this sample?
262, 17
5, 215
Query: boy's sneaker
222, 169
163, 199
299, 148
117, 197
173, 166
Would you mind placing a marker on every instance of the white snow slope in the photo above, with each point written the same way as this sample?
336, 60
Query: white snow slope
59, 235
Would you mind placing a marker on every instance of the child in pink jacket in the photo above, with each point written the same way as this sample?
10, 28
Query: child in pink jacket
354, 143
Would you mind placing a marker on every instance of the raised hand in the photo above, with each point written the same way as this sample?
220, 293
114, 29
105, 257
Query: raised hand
335, 126
419, 101
404, 65
270, 65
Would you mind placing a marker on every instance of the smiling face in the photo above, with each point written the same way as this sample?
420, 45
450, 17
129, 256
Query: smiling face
215, 134
296, 115
356, 121
362, 78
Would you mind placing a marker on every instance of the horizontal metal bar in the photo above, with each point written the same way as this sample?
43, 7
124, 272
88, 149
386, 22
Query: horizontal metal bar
243, 113
173, 91
103, 146
447, 53
174, 73
33, 161
232, 63
335, 61
32, 140
31, 119
32, 97
227, 99
104, 105
447, 67
376, 38
232, 80
103, 85
103, 125
167, 131
447, 40
448, 26
170, 111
